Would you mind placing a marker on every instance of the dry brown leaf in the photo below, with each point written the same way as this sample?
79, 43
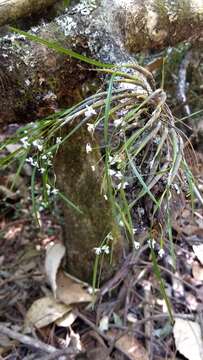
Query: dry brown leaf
66, 320
44, 311
130, 346
70, 292
197, 271
198, 250
98, 353
54, 256
188, 339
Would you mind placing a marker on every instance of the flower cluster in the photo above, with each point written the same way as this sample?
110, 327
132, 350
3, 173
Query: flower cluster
32, 162
38, 144
51, 190
152, 243
104, 249
39, 164
117, 174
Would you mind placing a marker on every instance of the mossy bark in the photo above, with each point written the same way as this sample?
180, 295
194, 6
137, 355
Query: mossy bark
83, 186
12, 10
41, 81
155, 24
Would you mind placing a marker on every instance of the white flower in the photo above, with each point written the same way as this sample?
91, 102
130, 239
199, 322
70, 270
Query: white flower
122, 185
42, 170
55, 191
90, 111
125, 184
98, 250
121, 223
119, 175
32, 162
161, 253
105, 249
105, 197
25, 142
102, 249
88, 148
109, 236
90, 128
58, 140
44, 157
111, 159
136, 245
112, 172
118, 122
48, 189
93, 168
151, 243
134, 231
176, 187
38, 145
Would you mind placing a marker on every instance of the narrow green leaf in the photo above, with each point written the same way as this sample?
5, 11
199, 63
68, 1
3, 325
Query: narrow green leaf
161, 284
70, 203
139, 177
34, 206
58, 48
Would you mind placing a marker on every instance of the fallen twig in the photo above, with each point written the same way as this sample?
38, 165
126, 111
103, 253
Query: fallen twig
27, 340
123, 271
110, 341
62, 354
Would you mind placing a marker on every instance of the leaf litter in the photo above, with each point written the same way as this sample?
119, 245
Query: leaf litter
69, 307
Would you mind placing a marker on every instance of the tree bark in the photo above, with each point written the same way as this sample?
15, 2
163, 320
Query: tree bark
154, 24
41, 80
87, 230
11, 10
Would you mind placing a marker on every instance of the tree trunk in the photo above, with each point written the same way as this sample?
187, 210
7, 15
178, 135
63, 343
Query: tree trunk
79, 176
12, 10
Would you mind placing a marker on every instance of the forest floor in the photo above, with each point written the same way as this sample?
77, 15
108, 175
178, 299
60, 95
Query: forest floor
133, 315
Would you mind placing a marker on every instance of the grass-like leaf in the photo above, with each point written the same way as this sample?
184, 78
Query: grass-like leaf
60, 49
